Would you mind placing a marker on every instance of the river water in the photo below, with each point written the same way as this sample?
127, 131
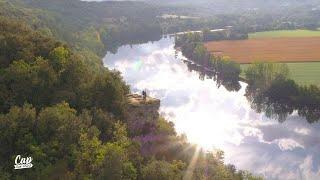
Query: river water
216, 118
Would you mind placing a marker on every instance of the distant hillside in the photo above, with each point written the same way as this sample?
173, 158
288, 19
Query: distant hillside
214, 7
233, 6
90, 25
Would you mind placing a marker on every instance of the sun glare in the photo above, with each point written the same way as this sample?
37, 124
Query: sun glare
210, 132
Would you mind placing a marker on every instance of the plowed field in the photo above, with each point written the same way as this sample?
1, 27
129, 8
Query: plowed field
292, 49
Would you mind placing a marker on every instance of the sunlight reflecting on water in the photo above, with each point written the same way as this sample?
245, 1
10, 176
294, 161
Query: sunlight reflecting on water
215, 118
207, 115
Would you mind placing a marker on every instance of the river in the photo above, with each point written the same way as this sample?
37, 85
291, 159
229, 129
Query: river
216, 118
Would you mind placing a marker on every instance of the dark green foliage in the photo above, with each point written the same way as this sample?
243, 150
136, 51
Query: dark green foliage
46, 76
57, 135
108, 92
309, 103
104, 122
271, 91
226, 34
59, 104
88, 25
19, 42
222, 70
23, 132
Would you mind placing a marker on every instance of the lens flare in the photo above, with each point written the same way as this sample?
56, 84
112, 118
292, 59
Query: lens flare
137, 65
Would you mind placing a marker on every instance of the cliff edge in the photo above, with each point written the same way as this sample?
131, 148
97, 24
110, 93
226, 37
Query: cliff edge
141, 111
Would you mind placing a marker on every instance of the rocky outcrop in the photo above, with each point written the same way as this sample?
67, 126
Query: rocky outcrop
141, 112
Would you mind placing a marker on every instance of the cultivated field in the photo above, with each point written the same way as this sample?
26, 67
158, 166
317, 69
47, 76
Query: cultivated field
299, 49
288, 49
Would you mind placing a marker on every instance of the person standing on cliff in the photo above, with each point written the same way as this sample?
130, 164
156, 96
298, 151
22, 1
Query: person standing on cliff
144, 94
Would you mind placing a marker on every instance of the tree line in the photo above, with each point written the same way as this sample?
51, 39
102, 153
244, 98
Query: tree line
94, 26
271, 91
105, 26
224, 71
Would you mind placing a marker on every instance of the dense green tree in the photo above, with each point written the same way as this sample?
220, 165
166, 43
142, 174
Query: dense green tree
16, 134
59, 57
51, 137
109, 92
58, 128
224, 71
162, 170
261, 75
116, 164
308, 102
272, 92
90, 155
19, 42
104, 121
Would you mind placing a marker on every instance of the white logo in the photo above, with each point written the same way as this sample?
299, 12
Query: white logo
23, 163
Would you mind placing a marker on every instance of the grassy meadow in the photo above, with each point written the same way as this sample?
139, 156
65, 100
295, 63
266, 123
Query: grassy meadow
303, 73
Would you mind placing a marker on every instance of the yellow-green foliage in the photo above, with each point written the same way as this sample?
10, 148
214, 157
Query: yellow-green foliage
261, 74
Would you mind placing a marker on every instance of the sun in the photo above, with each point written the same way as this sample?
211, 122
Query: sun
209, 132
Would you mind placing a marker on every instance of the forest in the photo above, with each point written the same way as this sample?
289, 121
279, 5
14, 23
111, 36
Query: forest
60, 105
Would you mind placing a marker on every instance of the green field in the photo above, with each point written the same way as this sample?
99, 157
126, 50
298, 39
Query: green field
303, 73
285, 33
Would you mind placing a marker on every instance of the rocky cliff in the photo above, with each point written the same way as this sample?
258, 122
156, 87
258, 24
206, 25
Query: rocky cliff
141, 112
